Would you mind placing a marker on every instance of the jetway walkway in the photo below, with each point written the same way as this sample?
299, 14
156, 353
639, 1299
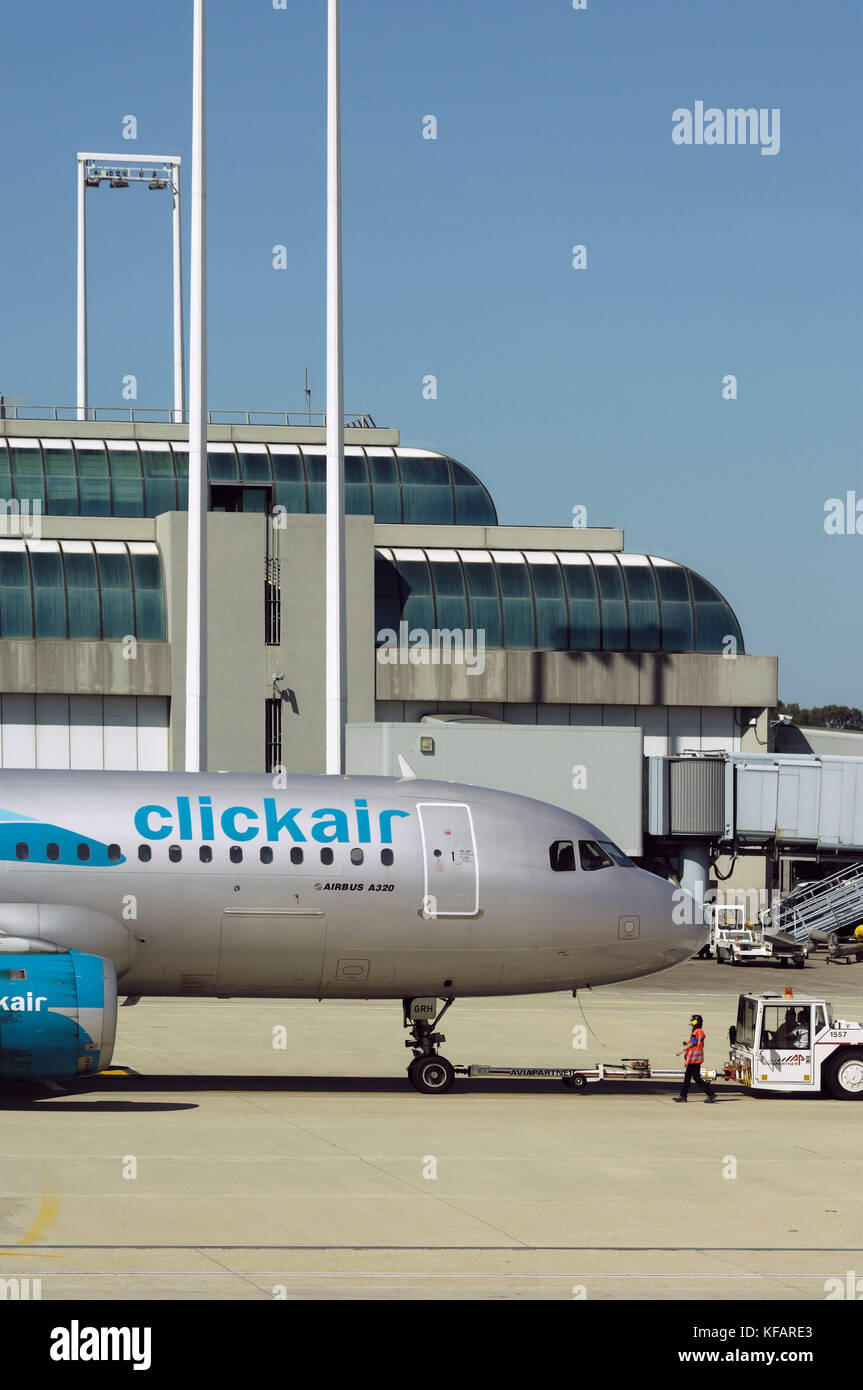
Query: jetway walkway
828, 906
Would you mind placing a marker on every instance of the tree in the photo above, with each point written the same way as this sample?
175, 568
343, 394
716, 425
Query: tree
824, 716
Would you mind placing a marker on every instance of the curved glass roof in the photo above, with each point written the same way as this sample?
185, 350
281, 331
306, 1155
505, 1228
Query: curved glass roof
95, 589
114, 477
554, 600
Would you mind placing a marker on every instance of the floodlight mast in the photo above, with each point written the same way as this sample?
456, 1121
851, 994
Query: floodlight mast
196, 560
335, 626
81, 349
94, 169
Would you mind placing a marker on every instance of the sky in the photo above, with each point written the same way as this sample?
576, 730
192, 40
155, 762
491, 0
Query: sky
603, 387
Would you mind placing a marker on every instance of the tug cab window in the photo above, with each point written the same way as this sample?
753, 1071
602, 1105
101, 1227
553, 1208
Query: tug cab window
785, 1026
561, 856
746, 1012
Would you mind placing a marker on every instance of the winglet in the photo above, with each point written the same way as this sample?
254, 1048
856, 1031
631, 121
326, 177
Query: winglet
407, 772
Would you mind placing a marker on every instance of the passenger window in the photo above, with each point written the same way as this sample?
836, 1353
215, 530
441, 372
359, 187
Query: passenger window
561, 856
326, 856
592, 856
387, 858
296, 855
266, 854
357, 856
235, 854
22, 851
205, 854
52, 851
175, 854
145, 853
115, 853
83, 853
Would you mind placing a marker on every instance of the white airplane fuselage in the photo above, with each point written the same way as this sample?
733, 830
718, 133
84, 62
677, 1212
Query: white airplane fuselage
356, 887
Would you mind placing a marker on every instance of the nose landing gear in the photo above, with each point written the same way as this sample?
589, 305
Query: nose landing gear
428, 1072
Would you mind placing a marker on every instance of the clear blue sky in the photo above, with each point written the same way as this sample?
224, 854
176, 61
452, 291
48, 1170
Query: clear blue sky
599, 387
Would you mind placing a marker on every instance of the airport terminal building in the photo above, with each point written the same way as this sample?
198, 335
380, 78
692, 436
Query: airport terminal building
458, 627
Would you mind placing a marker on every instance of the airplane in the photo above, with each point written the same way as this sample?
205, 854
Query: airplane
255, 886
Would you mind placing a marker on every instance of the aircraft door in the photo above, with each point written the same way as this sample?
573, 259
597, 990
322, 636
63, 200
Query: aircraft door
450, 867
263, 953
785, 1045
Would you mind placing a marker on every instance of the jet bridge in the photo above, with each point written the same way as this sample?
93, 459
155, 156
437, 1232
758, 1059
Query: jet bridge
751, 800
807, 806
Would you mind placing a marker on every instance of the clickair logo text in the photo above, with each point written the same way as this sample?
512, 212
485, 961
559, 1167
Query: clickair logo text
328, 825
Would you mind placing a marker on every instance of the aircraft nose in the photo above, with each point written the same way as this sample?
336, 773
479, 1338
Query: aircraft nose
688, 930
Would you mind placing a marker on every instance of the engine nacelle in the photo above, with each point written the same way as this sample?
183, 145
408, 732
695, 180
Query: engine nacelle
58, 1015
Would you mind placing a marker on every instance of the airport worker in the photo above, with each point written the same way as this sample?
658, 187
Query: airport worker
799, 1033
693, 1056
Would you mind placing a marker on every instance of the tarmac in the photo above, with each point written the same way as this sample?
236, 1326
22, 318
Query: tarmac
230, 1168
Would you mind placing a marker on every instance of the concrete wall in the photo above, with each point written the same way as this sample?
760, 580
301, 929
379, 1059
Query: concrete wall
667, 729
240, 663
824, 742
590, 678
304, 658
54, 666
595, 773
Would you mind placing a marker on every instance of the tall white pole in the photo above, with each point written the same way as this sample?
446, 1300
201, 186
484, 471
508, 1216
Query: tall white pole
81, 355
196, 598
336, 642
179, 355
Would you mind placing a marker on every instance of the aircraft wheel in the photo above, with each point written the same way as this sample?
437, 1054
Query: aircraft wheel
432, 1075
575, 1083
843, 1077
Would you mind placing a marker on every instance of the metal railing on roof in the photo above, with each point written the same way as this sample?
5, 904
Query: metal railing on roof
151, 415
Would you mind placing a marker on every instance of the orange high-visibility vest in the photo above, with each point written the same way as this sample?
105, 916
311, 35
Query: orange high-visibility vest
695, 1050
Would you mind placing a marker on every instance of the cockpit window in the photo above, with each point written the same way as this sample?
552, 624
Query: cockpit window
561, 856
593, 856
616, 854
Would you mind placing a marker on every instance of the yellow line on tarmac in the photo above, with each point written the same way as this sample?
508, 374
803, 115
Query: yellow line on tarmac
46, 1218
27, 1255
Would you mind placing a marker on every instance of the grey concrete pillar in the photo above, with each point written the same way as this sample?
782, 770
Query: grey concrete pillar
695, 869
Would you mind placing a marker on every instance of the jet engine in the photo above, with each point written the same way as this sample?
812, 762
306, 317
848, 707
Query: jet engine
58, 1011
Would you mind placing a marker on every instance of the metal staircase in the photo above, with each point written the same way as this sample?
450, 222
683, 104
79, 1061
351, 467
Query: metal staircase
827, 906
